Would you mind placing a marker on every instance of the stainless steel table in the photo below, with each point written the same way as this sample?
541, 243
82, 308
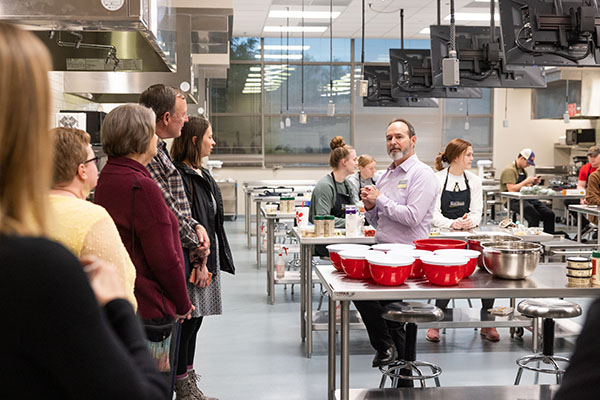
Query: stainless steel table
488, 191
271, 218
537, 392
521, 197
268, 199
250, 187
548, 280
306, 248
587, 209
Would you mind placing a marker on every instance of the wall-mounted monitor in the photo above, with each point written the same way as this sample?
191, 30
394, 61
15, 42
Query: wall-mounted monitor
550, 32
379, 92
481, 61
411, 76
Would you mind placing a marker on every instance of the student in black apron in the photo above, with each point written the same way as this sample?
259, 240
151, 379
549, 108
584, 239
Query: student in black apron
513, 178
332, 193
365, 175
459, 206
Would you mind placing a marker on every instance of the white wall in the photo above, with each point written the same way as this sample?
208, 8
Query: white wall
539, 135
60, 100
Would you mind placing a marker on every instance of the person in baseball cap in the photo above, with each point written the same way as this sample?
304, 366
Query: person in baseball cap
513, 178
528, 155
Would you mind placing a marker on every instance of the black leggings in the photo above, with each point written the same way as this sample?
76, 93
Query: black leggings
187, 343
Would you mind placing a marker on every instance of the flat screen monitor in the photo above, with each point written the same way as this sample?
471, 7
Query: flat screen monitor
550, 32
481, 61
379, 93
411, 76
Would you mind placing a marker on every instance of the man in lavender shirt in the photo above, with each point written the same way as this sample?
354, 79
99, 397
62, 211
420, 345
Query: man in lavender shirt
401, 208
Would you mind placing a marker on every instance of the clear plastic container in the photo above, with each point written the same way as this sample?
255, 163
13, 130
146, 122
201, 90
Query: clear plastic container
352, 228
596, 268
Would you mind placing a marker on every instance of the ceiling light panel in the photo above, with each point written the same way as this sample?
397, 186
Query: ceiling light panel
308, 29
300, 14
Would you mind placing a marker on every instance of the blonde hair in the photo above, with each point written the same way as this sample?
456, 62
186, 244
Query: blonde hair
365, 160
25, 141
453, 150
70, 149
128, 129
339, 151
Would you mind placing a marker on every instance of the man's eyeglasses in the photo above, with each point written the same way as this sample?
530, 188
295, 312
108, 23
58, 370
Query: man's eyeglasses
95, 160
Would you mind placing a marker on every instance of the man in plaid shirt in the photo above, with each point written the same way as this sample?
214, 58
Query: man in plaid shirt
170, 108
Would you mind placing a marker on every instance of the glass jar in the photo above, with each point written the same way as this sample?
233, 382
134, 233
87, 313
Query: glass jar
283, 204
319, 225
329, 225
291, 200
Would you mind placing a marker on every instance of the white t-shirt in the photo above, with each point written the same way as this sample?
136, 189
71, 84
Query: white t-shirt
476, 207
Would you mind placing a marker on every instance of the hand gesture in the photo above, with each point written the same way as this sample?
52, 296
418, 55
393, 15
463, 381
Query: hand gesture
203, 239
104, 279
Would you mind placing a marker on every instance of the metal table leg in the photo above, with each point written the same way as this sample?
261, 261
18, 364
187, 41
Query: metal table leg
304, 259
258, 236
485, 207
247, 215
345, 355
308, 301
521, 211
579, 228
270, 257
331, 350
535, 333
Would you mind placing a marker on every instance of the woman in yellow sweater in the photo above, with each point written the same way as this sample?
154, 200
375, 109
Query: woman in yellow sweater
81, 226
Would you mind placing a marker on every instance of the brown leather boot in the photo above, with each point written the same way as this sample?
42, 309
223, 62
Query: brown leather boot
193, 379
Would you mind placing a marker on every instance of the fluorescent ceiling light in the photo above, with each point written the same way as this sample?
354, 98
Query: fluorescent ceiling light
252, 84
425, 31
255, 69
281, 56
252, 79
253, 75
284, 47
305, 14
310, 29
472, 16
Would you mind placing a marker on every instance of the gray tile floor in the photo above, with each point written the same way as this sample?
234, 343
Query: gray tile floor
254, 351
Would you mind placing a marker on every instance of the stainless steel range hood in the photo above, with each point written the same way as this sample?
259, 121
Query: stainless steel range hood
150, 42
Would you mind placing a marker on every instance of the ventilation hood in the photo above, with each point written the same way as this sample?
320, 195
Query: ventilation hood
111, 50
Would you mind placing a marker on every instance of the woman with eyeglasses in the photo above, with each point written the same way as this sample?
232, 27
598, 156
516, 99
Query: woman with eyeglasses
81, 226
69, 333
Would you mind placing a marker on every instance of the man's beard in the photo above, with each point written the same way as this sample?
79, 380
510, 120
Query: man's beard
396, 154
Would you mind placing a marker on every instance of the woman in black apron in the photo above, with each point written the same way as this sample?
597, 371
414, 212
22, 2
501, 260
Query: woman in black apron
460, 206
365, 175
332, 193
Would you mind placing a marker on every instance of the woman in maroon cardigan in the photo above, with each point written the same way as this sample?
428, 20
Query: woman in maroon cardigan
147, 227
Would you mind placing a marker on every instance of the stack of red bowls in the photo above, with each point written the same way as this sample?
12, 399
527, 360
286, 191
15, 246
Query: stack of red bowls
417, 268
472, 255
389, 269
355, 264
443, 270
334, 250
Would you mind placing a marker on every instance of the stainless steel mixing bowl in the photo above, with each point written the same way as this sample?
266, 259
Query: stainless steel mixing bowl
511, 260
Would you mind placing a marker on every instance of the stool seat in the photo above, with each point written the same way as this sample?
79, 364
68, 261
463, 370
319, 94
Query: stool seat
412, 312
549, 308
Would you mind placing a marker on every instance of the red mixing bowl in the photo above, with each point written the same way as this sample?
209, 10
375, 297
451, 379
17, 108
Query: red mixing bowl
436, 244
334, 250
444, 270
389, 269
355, 264
472, 255
385, 247
416, 270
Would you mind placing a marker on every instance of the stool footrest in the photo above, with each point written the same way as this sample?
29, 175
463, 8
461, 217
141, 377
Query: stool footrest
549, 360
390, 370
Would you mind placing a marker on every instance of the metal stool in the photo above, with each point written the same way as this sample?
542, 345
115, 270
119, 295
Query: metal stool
548, 309
411, 313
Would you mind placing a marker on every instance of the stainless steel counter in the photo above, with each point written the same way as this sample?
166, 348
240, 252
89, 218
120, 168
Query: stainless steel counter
548, 280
